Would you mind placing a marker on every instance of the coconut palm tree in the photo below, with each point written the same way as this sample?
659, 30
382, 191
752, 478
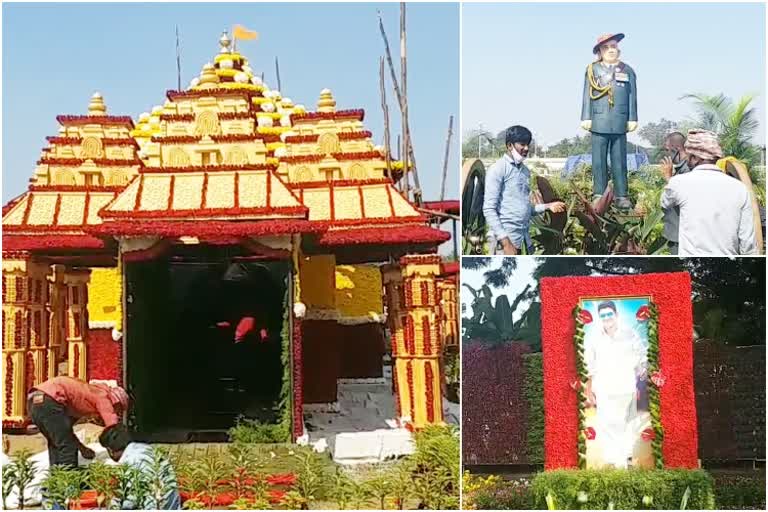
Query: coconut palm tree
734, 122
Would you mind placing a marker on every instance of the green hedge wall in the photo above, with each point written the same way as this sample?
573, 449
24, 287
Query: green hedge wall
533, 389
621, 489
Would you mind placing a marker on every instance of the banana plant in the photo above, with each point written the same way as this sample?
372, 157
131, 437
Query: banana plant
495, 324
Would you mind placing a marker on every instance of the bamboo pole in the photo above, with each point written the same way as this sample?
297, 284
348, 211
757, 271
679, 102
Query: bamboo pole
277, 72
445, 159
385, 111
404, 103
398, 92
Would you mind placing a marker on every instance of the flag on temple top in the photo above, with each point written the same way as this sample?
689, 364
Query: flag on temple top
242, 33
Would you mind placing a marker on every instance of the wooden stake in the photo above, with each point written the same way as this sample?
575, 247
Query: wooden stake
277, 72
385, 110
445, 159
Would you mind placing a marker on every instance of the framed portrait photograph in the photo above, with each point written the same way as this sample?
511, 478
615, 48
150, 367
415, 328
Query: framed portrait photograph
617, 402
618, 372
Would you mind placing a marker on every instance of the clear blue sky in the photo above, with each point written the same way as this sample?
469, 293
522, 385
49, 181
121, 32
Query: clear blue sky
524, 63
56, 55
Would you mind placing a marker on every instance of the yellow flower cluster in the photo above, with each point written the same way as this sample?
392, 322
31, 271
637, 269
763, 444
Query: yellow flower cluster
272, 130
273, 161
271, 146
229, 56
472, 484
258, 100
230, 73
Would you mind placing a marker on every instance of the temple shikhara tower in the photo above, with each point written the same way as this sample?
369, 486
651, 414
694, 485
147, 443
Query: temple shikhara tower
139, 247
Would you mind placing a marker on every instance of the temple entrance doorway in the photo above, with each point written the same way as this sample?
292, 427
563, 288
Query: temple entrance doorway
203, 344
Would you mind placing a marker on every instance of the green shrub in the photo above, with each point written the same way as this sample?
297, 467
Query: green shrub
509, 495
743, 491
533, 389
253, 431
624, 489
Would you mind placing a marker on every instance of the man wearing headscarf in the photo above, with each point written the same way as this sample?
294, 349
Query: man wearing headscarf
56, 404
715, 209
507, 205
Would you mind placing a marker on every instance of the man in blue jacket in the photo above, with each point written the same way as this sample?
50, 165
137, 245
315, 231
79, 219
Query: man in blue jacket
609, 111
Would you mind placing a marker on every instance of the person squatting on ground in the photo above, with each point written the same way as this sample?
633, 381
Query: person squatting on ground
715, 209
507, 205
117, 440
58, 403
615, 358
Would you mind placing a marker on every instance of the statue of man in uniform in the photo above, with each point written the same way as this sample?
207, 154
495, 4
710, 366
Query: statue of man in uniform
609, 111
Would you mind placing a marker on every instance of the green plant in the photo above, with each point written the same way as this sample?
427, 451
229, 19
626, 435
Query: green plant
160, 479
293, 500
9, 481
61, 485
253, 431
740, 491
209, 471
379, 488
131, 488
533, 388
309, 476
623, 489
502, 495
342, 488
401, 477
102, 478
23, 470
361, 496
494, 322
242, 468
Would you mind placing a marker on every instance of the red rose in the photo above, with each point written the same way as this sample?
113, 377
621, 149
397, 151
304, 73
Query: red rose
585, 316
658, 379
643, 314
590, 433
648, 434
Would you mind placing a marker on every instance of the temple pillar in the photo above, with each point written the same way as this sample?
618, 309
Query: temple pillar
417, 346
25, 338
57, 319
76, 297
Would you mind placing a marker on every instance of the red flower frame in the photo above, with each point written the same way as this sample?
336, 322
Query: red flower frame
671, 292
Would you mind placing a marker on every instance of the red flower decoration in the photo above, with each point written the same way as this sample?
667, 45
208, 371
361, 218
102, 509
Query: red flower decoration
658, 379
576, 385
648, 434
590, 433
643, 314
585, 316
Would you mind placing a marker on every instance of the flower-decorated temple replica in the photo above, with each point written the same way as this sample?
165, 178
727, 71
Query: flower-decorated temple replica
123, 250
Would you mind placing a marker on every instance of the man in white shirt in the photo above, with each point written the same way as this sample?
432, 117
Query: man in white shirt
117, 441
615, 357
715, 209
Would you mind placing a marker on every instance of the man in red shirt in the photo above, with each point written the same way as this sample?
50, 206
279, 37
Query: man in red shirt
55, 406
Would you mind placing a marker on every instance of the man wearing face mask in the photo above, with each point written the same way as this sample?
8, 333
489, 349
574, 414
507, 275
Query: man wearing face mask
609, 111
507, 205
715, 209
674, 163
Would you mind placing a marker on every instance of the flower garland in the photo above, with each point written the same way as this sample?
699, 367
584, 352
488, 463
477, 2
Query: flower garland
358, 155
176, 139
77, 188
105, 141
30, 372
236, 115
651, 314
358, 114
304, 139
244, 137
177, 117
656, 433
52, 160
340, 183
267, 166
8, 385
207, 228
409, 371
430, 377
425, 327
100, 120
298, 380
216, 91
581, 317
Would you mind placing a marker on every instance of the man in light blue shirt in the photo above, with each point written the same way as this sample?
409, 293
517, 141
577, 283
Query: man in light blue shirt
507, 205
117, 441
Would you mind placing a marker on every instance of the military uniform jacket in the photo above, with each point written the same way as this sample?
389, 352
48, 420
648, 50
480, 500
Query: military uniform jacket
607, 119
